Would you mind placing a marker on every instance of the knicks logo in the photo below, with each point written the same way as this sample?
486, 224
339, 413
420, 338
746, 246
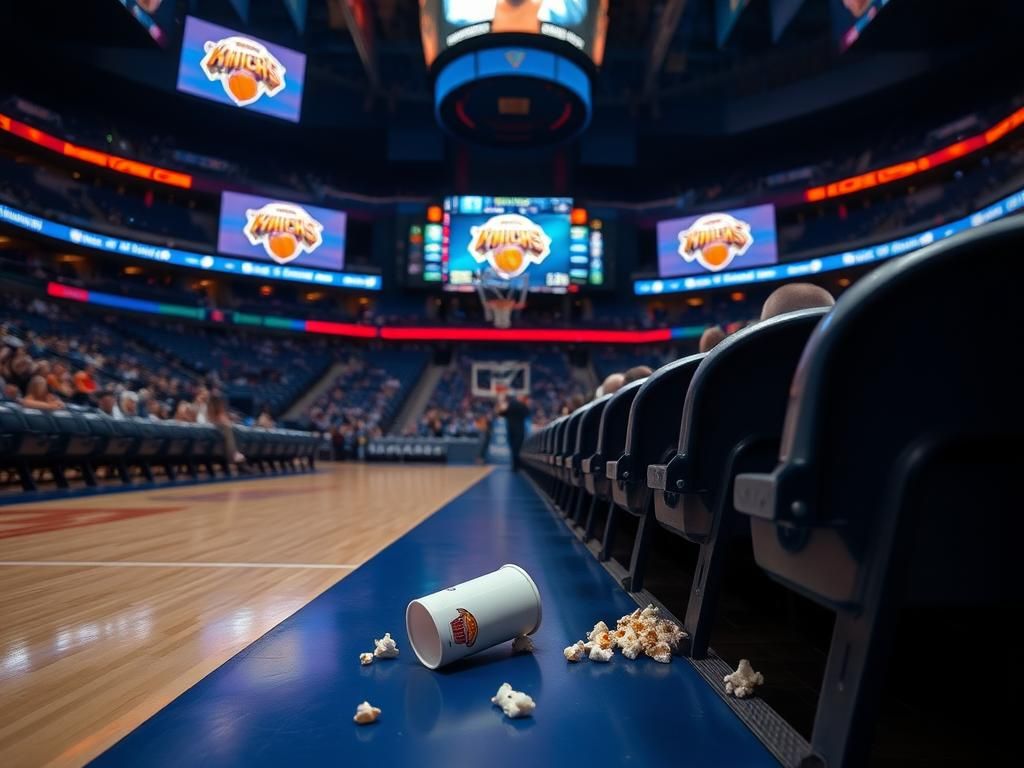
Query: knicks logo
509, 243
245, 68
715, 240
464, 628
284, 230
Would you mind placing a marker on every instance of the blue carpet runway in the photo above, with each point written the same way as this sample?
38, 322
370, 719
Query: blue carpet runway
288, 699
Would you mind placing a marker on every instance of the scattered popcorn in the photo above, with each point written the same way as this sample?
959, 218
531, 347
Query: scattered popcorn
513, 703
741, 683
660, 652
365, 658
366, 714
574, 652
386, 648
522, 644
641, 631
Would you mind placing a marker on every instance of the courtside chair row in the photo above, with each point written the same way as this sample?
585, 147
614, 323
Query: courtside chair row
859, 461
35, 442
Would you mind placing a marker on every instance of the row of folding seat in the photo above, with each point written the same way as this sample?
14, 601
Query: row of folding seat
862, 457
56, 441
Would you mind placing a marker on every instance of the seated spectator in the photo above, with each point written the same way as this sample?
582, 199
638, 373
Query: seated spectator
612, 383
59, 381
636, 373
265, 419
185, 412
107, 403
85, 384
793, 297
713, 336
38, 396
217, 413
127, 405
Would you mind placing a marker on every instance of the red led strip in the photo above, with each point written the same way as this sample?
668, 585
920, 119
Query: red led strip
95, 156
565, 336
891, 173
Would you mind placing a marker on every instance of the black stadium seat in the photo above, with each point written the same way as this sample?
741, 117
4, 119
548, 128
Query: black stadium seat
891, 504
586, 444
611, 440
651, 437
731, 420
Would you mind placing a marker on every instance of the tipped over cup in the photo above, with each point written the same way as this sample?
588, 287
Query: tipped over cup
473, 616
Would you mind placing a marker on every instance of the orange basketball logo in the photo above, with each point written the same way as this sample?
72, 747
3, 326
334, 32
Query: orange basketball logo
715, 240
242, 86
285, 230
245, 68
510, 243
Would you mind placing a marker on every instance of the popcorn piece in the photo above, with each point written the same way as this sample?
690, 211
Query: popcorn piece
386, 648
669, 633
366, 714
660, 652
365, 658
575, 652
522, 644
650, 613
741, 683
598, 653
513, 703
628, 642
598, 629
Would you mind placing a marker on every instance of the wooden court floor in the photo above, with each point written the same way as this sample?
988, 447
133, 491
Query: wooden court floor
113, 605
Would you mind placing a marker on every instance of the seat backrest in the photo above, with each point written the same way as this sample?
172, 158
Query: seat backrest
653, 427
738, 396
893, 376
557, 428
590, 427
570, 433
611, 438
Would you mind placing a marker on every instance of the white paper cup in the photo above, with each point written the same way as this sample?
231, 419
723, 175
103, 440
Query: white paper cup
473, 616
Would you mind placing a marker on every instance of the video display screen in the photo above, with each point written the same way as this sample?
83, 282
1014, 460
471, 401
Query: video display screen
580, 23
547, 242
715, 242
851, 17
281, 232
233, 68
156, 17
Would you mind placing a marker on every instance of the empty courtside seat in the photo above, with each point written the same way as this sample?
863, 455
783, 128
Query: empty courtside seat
731, 421
896, 493
652, 434
611, 441
567, 496
586, 444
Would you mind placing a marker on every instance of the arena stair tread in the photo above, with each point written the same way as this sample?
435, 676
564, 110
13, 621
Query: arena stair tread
289, 697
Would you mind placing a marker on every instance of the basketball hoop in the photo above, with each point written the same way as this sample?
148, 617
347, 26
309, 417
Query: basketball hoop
500, 296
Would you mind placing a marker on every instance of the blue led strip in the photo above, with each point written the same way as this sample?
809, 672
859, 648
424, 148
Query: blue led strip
998, 210
83, 238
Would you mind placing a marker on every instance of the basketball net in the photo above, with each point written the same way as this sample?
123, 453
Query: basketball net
500, 296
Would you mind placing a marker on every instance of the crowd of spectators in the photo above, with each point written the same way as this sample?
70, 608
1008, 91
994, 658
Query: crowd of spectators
52, 358
454, 411
362, 402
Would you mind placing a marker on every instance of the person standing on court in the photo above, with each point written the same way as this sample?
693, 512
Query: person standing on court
515, 413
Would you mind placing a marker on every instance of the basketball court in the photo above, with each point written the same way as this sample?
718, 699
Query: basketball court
115, 605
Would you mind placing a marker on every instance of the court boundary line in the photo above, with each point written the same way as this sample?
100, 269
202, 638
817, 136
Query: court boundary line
169, 564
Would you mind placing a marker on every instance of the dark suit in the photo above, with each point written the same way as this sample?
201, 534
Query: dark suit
515, 415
